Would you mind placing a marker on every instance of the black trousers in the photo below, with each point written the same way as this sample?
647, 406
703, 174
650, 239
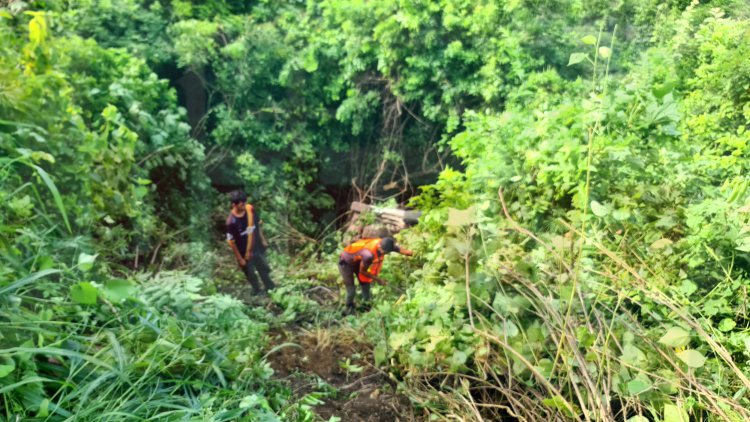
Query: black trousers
348, 275
258, 262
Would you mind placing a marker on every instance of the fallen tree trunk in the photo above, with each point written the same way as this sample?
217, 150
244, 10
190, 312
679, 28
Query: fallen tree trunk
388, 221
408, 217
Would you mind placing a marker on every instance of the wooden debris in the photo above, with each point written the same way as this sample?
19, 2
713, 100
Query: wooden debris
388, 221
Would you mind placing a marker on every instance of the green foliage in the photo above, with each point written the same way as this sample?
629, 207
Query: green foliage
294, 303
161, 349
97, 164
111, 148
626, 220
308, 99
586, 244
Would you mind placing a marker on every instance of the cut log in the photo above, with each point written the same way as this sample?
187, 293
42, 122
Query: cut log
388, 221
377, 231
408, 217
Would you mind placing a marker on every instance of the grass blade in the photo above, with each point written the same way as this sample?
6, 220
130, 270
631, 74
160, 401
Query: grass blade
279, 347
55, 194
28, 280
58, 352
29, 380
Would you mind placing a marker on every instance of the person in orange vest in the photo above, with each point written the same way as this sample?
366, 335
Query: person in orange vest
364, 258
247, 241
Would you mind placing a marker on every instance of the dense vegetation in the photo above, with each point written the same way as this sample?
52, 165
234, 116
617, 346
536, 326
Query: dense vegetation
582, 169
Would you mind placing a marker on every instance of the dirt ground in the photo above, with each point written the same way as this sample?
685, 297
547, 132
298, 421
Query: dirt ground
363, 396
300, 355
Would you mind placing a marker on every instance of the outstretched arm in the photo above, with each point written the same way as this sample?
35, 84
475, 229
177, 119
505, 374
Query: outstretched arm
364, 270
404, 251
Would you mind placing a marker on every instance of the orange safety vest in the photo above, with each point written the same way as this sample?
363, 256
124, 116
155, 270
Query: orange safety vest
372, 246
251, 234
250, 221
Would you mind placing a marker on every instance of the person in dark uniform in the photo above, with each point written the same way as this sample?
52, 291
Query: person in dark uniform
248, 244
364, 258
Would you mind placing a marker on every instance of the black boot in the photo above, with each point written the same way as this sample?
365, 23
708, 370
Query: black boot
364, 307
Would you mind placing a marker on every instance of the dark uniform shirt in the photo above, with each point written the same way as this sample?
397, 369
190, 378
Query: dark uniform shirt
365, 255
350, 259
238, 231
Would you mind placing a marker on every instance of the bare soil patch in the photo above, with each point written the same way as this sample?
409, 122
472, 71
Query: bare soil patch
363, 396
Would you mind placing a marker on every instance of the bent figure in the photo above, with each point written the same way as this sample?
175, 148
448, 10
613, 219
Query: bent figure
247, 241
364, 258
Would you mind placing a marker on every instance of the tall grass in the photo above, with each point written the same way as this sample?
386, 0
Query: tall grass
189, 357
597, 329
576, 369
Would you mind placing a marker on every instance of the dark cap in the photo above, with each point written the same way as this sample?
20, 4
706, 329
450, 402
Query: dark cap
388, 245
237, 196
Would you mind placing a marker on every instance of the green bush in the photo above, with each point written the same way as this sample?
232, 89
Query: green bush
602, 240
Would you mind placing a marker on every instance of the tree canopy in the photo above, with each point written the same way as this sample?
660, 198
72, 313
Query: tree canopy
581, 168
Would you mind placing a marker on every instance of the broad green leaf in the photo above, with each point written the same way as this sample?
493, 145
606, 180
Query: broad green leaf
599, 210
675, 337
45, 262
576, 58
638, 418
545, 367
396, 340
6, 369
585, 337
86, 261
638, 385
633, 355
249, 401
688, 287
118, 290
461, 217
309, 61
589, 40
380, 353
37, 28
727, 324
692, 358
744, 244
668, 381
418, 358
458, 359
660, 90
674, 413
713, 306
510, 329
660, 244
505, 305
83, 293
621, 214
38, 156
559, 403
43, 409
605, 52
456, 269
